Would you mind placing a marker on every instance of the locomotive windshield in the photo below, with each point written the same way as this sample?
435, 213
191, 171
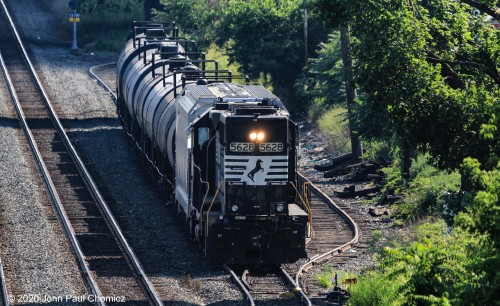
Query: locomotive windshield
263, 136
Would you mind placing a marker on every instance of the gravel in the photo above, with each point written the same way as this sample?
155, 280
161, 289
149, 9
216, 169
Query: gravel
314, 150
153, 229
34, 249
175, 264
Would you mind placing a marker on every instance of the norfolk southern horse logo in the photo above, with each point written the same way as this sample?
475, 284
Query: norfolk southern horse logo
258, 167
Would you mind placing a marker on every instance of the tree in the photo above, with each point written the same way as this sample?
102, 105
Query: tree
345, 47
114, 6
265, 37
149, 7
428, 70
195, 18
322, 83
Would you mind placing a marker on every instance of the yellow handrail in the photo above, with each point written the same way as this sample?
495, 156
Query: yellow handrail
306, 204
203, 203
210, 208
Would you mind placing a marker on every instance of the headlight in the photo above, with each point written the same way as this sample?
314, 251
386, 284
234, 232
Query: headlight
257, 136
280, 207
235, 208
260, 136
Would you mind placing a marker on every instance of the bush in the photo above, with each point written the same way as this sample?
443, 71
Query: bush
333, 124
429, 190
372, 289
105, 25
440, 268
377, 151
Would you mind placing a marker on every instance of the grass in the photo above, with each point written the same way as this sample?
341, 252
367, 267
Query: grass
216, 53
326, 278
333, 124
372, 289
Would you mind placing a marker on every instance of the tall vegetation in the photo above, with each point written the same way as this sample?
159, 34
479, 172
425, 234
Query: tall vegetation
429, 76
105, 24
420, 64
263, 37
426, 75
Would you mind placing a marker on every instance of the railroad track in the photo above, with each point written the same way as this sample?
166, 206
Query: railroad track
3, 287
109, 267
334, 233
269, 286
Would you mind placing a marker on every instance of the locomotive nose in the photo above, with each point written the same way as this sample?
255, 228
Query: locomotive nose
255, 240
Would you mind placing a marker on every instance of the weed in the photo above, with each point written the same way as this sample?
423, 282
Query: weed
333, 124
372, 289
188, 282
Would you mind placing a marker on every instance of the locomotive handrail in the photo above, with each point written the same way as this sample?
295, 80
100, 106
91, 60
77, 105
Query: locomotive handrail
308, 208
341, 249
208, 212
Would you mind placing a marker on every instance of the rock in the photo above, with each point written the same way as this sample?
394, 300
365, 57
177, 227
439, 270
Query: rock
379, 211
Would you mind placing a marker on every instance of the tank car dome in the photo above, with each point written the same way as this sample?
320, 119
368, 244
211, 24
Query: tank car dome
187, 74
202, 82
157, 33
178, 61
168, 50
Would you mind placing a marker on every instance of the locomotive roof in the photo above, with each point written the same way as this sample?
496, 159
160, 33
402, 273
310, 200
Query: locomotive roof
239, 93
199, 99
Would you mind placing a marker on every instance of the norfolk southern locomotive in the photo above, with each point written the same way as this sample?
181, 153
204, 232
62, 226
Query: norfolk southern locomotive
227, 152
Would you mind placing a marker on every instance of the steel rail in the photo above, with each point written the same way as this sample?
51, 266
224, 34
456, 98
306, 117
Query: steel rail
101, 82
54, 196
132, 258
242, 282
5, 294
338, 250
304, 298
314, 259
247, 293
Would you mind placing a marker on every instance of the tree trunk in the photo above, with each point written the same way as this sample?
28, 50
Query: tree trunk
148, 6
357, 151
406, 160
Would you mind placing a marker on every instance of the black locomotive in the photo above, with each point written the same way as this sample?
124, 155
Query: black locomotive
227, 152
